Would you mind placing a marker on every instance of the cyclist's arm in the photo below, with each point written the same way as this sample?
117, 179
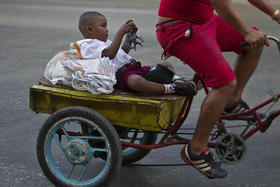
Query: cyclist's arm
266, 7
228, 12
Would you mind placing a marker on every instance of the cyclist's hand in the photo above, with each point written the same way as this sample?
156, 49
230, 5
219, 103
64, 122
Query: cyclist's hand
277, 18
129, 26
256, 38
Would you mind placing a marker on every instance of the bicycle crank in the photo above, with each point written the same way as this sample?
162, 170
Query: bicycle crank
230, 148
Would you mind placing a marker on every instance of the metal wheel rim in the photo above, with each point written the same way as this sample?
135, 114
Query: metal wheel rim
51, 162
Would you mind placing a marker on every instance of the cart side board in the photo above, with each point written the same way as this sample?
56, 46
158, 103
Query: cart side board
146, 113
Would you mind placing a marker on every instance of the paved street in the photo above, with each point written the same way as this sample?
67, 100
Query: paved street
32, 31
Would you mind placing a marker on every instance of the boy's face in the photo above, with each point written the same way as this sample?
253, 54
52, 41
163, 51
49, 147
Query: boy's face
99, 29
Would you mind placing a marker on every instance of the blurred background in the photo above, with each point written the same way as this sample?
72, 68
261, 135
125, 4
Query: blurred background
32, 31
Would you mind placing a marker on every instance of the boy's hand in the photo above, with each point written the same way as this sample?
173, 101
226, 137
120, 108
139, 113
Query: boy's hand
129, 26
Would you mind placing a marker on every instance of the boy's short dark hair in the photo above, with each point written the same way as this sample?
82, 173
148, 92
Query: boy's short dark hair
88, 18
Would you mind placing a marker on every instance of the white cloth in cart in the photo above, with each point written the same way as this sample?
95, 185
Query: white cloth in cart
55, 71
93, 75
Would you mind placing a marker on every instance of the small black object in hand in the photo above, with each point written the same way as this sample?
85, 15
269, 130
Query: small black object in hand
133, 40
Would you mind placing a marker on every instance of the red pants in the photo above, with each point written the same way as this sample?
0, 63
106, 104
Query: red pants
203, 50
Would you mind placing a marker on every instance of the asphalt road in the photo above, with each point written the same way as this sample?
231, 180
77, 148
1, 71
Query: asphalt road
32, 31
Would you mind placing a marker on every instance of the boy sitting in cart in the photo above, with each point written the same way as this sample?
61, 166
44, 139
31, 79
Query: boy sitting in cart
130, 74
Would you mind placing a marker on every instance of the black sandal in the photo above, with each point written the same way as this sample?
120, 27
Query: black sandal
237, 108
241, 107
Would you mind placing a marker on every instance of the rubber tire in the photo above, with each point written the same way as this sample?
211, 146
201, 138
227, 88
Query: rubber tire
139, 154
103, 124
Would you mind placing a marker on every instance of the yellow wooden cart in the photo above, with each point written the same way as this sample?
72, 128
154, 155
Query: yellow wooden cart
119, 128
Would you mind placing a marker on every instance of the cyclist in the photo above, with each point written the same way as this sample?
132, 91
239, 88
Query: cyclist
189, 30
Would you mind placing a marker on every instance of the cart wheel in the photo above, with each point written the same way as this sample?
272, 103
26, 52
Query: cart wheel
141, 137
65, 154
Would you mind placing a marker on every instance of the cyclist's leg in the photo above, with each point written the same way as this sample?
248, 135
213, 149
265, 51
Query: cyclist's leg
229, 39
210, 112
244, 68
196, 153
202, 52
206, 58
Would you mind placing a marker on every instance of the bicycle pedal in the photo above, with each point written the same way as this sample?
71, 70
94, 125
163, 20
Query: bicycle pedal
269, 120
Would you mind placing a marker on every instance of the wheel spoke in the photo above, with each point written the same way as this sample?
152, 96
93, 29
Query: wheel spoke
227, 153
133, 138
238, 148
72, 169
85, 169
92, 150
66, 133
91, 129
91, 137
58, 142
234, 157
83, 173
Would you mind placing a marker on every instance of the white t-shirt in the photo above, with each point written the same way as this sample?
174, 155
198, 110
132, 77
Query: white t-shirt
92, 49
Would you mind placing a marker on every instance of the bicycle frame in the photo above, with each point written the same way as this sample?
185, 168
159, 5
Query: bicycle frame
175, 139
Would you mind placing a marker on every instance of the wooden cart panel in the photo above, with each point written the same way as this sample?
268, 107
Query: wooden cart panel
126, 109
